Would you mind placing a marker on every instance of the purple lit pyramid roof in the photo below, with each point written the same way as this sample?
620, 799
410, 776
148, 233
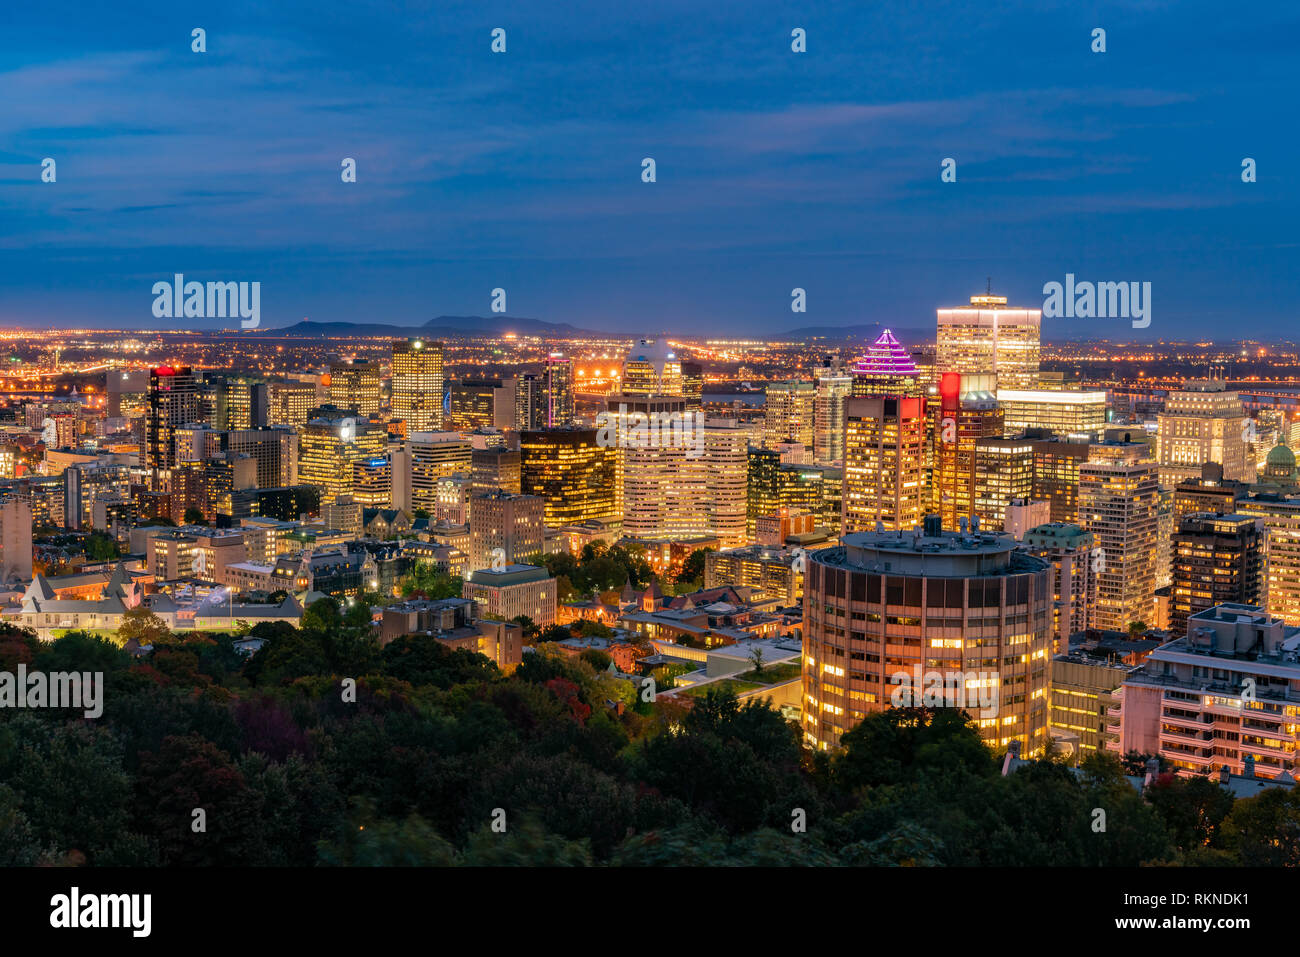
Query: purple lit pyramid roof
885, 356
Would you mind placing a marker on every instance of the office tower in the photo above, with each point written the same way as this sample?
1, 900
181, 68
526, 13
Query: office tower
481, 404
887, 368
966, 412
435, 455
127, 392
789, 413
416, 396
274, 449
818, 489
1281, 517
511, 523
1024, 514
372, 482
763, 489
1004, 473
559, 391
693, 386
652, 368
1202, 422
173, 402
290, 403
884, 610
1217, 560
884, 463
1068, 549
530, 402
495, 469
1056, 474
988, 336
15, 540
1118, 503
329, 445
1069, 413
72, 502
657, 492
235, 402
355, 386
573, 474
720, 474
832, 389
1211, 493
1188, 703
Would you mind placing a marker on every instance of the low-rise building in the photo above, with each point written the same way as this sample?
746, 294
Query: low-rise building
513, 590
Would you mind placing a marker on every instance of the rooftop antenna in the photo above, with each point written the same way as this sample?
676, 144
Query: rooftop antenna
988, 286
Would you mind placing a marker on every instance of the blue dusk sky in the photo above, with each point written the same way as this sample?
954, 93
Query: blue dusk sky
775, 169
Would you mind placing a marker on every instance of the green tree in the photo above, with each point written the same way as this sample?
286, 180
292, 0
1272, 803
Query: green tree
101, 547
692, 572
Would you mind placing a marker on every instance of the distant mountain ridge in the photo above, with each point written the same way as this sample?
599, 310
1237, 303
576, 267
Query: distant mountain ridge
440, 327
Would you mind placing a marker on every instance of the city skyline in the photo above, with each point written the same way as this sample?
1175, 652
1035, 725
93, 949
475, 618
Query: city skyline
775, 170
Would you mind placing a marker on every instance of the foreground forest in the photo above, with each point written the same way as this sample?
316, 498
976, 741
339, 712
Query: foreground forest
205, 756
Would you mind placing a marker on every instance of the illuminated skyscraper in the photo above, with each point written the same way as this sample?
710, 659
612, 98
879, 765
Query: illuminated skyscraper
789, 413
1004, 472
1067, 413
434, 456
290, 403
575, 476
1056, 475
886, 369
967, 411
355, 386
693, 385
372, 482
502, 520
1202, 422
883, 608
884, 463
417, 384
1217, 559
832, 390
330, 445
1119, 498
1281, 516
481, 403
173, 402
652, 368
559, 391
988, 336
530, 402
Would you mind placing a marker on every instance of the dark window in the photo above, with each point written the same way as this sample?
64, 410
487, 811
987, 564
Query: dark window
912, 592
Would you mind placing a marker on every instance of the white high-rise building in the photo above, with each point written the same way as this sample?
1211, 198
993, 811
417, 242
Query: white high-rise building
988, 336
1202, 422
1119, 501
833, 388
